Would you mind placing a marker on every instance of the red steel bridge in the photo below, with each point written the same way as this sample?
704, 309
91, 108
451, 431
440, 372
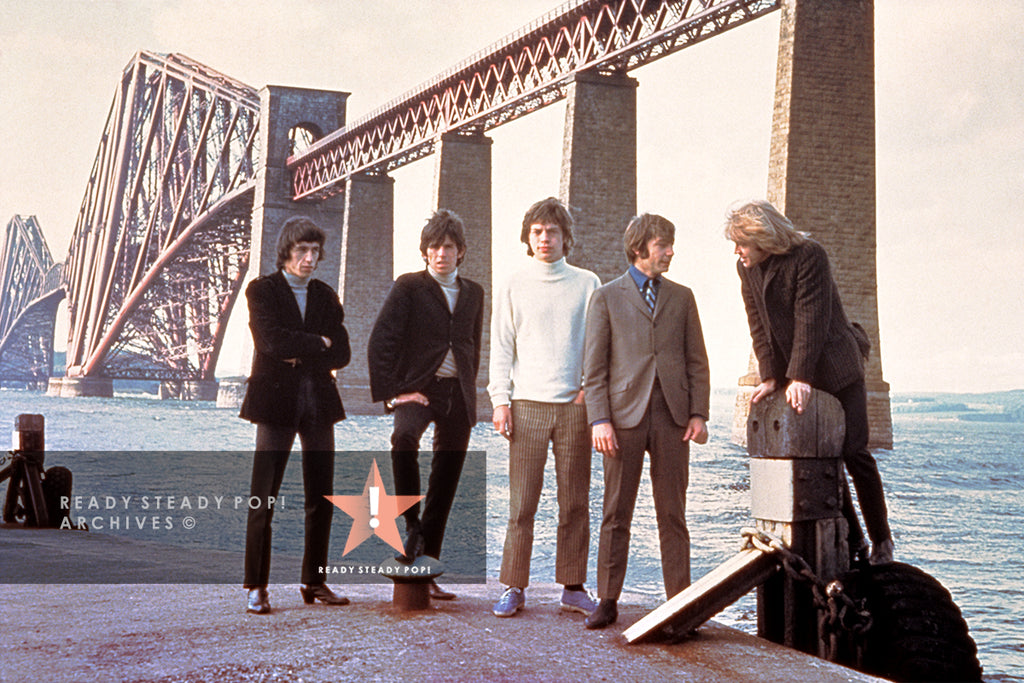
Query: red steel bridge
514, 77
161, 245
32, 290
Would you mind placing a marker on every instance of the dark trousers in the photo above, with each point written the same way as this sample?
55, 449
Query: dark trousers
447, 410
273, 445
862, 468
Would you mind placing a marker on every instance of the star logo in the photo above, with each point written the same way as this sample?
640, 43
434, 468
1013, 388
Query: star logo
374, 512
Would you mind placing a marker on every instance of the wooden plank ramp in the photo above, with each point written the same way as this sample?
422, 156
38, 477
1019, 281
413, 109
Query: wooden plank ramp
706, 597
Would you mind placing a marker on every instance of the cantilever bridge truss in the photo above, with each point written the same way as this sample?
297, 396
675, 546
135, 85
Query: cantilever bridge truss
526, 71
30, 282
161, 245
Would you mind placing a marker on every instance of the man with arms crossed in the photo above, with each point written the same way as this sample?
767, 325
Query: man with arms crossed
536, 370
647, 389
424, 352
298, 339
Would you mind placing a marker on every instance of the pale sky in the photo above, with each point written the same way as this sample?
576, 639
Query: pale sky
950, 137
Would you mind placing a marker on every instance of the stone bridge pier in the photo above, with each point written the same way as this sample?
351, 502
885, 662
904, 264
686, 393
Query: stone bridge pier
286, 116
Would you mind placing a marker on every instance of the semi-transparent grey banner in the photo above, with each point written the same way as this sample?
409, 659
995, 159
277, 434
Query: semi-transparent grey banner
180, 517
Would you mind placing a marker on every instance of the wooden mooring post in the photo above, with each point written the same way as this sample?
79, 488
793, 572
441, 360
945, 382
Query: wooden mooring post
796, 474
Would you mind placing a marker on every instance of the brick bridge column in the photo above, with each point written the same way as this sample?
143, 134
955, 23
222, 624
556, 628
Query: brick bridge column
283, 109
367, 271
599, 168
822, 165
462, 183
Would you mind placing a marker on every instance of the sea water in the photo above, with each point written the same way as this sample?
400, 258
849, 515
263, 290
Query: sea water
955, 491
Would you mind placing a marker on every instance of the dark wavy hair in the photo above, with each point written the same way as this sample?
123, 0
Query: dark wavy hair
298, 229
641, 230
442, 224
548, 211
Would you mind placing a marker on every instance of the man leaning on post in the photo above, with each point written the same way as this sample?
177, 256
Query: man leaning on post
424, 353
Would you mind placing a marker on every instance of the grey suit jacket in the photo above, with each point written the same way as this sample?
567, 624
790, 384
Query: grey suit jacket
627, 347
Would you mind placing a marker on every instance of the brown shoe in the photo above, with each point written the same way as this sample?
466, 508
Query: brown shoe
606, 613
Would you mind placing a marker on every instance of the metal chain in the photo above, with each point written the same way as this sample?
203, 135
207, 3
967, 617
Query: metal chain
842, 613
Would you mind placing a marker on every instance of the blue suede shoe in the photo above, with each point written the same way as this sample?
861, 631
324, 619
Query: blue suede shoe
578, 601
510, 602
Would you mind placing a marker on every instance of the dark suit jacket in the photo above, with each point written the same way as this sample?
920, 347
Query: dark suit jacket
415, 329
797, 322
279, 332
627, 346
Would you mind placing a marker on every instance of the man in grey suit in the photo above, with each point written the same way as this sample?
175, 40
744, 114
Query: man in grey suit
647, 389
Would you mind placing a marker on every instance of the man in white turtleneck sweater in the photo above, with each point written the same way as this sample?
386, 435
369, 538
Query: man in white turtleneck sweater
536, 386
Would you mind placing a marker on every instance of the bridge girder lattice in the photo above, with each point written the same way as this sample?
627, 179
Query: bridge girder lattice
526, 71
161, 245
31, 290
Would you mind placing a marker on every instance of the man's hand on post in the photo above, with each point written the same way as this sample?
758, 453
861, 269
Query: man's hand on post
798, 395
763, 389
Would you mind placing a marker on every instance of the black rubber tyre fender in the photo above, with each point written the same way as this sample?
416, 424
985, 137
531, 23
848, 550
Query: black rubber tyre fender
917, 631
56, 485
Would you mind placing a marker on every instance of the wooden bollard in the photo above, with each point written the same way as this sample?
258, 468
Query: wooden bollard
29, 433
796, 472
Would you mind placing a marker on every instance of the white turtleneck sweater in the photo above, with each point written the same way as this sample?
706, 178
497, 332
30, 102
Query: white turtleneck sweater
450, 287
537, 332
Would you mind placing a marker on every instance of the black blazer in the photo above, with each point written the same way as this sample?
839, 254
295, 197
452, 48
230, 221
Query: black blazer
413, 332
797, 322
279, 332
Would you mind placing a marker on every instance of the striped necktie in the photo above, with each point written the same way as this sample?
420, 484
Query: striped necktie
650, 293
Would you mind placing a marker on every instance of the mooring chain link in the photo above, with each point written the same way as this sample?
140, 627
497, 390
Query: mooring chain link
842, 612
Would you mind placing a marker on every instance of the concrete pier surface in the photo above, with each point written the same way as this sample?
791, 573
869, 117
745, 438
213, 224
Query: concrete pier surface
201, 632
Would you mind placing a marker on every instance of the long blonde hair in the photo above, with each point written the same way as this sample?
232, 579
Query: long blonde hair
760, 224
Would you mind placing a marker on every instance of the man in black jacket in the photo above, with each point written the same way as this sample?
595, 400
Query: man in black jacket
424, 352
298, 340
803, 340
